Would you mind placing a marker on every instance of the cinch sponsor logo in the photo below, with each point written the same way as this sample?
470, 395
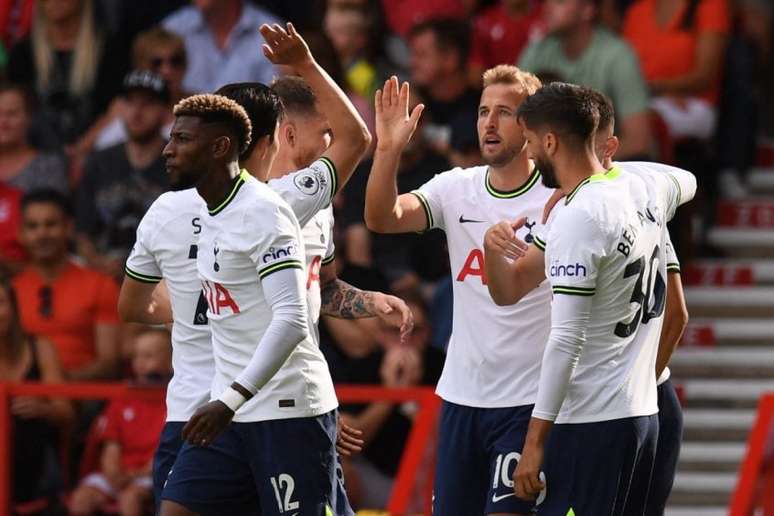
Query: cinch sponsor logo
282, 252
558, 270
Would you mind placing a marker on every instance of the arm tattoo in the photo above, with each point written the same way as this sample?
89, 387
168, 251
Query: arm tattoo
342, 300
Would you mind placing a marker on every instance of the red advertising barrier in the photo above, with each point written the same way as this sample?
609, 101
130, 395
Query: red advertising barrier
405, 482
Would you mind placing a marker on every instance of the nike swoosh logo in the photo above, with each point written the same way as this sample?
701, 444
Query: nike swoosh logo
496, 498
463, 220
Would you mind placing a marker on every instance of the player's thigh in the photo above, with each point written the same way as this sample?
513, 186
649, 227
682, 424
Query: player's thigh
169, 446
589, 467
670, 435
461, 467
295, 466
639, 489
504, 431
216, 479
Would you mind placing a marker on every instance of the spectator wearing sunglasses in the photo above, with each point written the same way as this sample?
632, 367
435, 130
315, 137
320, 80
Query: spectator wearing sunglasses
161, 52
72, 306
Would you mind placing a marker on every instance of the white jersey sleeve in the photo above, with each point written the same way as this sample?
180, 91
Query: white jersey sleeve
672, 262
286, 296
431, 195
308, 190
280, 248
673, 186
574, 249
141, 264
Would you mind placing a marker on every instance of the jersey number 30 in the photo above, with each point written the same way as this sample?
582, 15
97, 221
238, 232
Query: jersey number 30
649, 293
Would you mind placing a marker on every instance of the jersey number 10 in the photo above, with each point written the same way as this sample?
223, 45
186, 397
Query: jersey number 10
649, 293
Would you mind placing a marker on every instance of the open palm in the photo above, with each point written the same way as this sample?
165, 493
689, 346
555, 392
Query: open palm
394, 125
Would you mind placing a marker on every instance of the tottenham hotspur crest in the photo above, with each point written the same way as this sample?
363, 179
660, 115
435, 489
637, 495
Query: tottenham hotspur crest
529, 238
215, 251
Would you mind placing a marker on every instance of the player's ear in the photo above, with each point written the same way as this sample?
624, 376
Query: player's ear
222, 147
289, 134
611, 147
549, 143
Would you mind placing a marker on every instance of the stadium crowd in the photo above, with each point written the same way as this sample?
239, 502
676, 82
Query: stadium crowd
86, 108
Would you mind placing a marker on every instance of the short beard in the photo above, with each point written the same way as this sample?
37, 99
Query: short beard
547, 173
500, 159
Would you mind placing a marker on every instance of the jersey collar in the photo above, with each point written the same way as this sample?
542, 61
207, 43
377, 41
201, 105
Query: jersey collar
510, 194
240, 180
607, 176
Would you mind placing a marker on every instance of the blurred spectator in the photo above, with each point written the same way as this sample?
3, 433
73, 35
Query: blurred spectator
11, 250
70, 305
21, 165
402, 15
439, 56
36, 420
120, 183
582, 52
223, 43
15, 20
405, 259
62, 59
681, 47
161, 52
128, 433
500, 33
386, 425
349, 30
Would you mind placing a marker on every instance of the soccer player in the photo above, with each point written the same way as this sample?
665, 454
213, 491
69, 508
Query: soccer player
670, 414
270, 376
605, 260
675, 317
165, 249
489, 381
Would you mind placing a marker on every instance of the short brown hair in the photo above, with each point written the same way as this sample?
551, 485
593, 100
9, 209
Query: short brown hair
213, 108
146, 41
509, 74
296, 95
605, 107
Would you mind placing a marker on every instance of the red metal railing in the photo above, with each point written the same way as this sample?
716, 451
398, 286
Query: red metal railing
422, 430
743, 500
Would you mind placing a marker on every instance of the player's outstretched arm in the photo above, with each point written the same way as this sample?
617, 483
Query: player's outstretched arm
138, 304
344, 301
286, 295
351, 138
675, 320
513, 268
385, 210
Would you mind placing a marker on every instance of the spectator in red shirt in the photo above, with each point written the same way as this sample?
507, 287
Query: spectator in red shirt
500, 33
681, 46
73, 307
128, 431
402, 15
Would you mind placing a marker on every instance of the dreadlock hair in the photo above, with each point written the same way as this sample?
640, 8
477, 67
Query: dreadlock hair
217, 109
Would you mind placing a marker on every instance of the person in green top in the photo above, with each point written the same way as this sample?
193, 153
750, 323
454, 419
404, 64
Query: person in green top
580, 51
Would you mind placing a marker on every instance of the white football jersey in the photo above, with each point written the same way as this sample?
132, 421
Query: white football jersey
166, 247
251, 235
164, 250
608, 241
485, 336
309, 193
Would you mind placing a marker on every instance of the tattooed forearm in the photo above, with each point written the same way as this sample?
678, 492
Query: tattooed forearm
342, 300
